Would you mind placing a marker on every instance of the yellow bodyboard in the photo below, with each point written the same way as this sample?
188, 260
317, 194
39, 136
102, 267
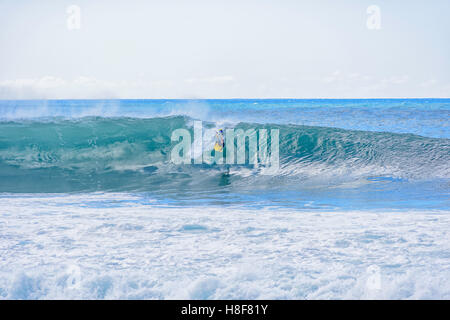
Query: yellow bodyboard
218, 147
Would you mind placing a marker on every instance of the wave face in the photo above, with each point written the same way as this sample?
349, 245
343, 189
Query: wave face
85, 153
132, 154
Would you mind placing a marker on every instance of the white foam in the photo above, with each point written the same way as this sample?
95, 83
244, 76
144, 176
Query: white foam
101, 246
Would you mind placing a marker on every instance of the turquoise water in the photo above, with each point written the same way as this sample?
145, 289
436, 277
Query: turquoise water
334, 154
92, 208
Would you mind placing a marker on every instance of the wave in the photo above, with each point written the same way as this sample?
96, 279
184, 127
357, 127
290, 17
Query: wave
133, 154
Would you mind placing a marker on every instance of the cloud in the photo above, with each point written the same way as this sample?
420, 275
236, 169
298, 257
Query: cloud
83, 87
210, 80
50, 87
396, 80
429, 83
332, 78
342, 77
337, 84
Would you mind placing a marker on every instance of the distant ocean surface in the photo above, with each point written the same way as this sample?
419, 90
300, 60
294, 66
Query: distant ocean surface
92, 207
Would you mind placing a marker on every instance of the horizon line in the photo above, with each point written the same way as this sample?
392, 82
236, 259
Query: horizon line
181, 99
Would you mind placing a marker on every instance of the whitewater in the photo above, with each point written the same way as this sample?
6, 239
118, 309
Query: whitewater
92, 207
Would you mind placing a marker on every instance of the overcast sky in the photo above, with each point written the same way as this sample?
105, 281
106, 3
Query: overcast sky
224, 49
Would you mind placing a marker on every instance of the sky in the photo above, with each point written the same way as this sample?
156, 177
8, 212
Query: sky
198, 49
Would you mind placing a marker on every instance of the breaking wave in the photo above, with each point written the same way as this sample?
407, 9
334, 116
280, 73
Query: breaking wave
133, 154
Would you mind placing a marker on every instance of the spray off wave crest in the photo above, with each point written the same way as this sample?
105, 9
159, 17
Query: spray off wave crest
133, 154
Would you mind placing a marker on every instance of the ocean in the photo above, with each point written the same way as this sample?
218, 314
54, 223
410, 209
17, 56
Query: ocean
92, 205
